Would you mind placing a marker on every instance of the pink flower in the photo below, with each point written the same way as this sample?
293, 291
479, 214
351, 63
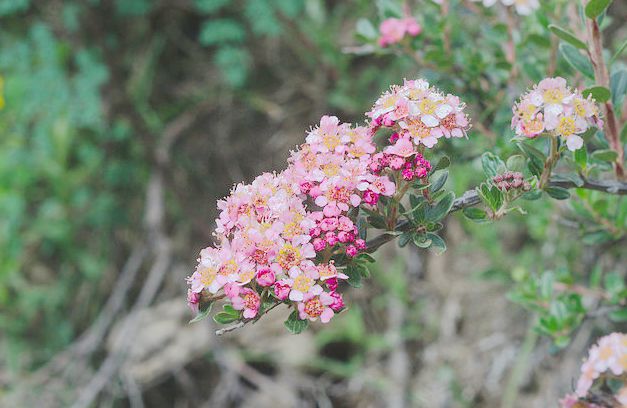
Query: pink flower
265, 277
316, 306
338, 302
370, 197
393, 30
351, 250
403, 148
282, 290
319, 244
360, 244
247, 300
193, 300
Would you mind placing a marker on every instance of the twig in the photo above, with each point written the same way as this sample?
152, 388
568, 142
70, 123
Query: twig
601, 76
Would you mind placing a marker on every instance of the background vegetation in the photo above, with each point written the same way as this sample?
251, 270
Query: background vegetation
123, 121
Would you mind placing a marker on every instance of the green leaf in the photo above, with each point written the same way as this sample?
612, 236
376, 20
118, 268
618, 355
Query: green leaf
491, 196
439, 183
594, 8
438, 245
581, 158
567, 36
577, 60
365, 258
442, 164
516, 163
531, 151
366, 29
475, 214
532, 195
618, 85
234, 63
377, 221
492, 164
354, 276
618, 52
619, 315
224, 318
404, 239
421, 241
557, 193
210, 6
219, 31
294, 324
203, 312
439, 211
606, 155
600, 93
363, 270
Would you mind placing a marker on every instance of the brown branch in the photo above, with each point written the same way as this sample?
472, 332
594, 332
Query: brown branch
601, 76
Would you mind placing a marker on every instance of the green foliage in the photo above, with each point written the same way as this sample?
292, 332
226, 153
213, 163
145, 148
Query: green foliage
294, 324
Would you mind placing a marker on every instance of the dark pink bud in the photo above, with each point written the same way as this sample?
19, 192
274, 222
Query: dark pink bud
331, 283
338, 303
394, 137
281, 290
360, 244
319, 244
370, 197
265, 277
305, 187
351, 250
407, 174
344, 236
331, 238
315, 232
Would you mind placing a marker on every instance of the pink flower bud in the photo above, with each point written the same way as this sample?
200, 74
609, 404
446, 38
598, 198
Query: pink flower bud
396, 162
193, 300
344, 236
360, 244
315, 232
345, 224
351, 250
265, 277
281, 290
329, 224
319, 244
421, 172
305, 187
331, 238
388, 122
407, 174
338, 302
394, 137
331, 283
370, 197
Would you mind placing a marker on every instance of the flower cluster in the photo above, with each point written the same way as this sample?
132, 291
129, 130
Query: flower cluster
278, 238
420, 114
605, 359
393, 30
276, 235
523, 7
552, 107
511, 180
332, 169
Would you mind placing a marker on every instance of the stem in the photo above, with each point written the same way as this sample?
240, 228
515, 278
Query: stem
602, 78
550, 162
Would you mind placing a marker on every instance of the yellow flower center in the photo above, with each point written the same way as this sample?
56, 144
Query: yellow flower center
207, 276
566, 126
302, 283
228, 268
327, 271
330, 169
580, 110
418, 129
389, 102
291, 230
313, 307
246, 276
427, 106
553, 96
288, 256
331, 141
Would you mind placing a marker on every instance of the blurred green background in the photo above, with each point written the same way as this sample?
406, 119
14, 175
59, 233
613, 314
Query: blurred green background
123, 121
